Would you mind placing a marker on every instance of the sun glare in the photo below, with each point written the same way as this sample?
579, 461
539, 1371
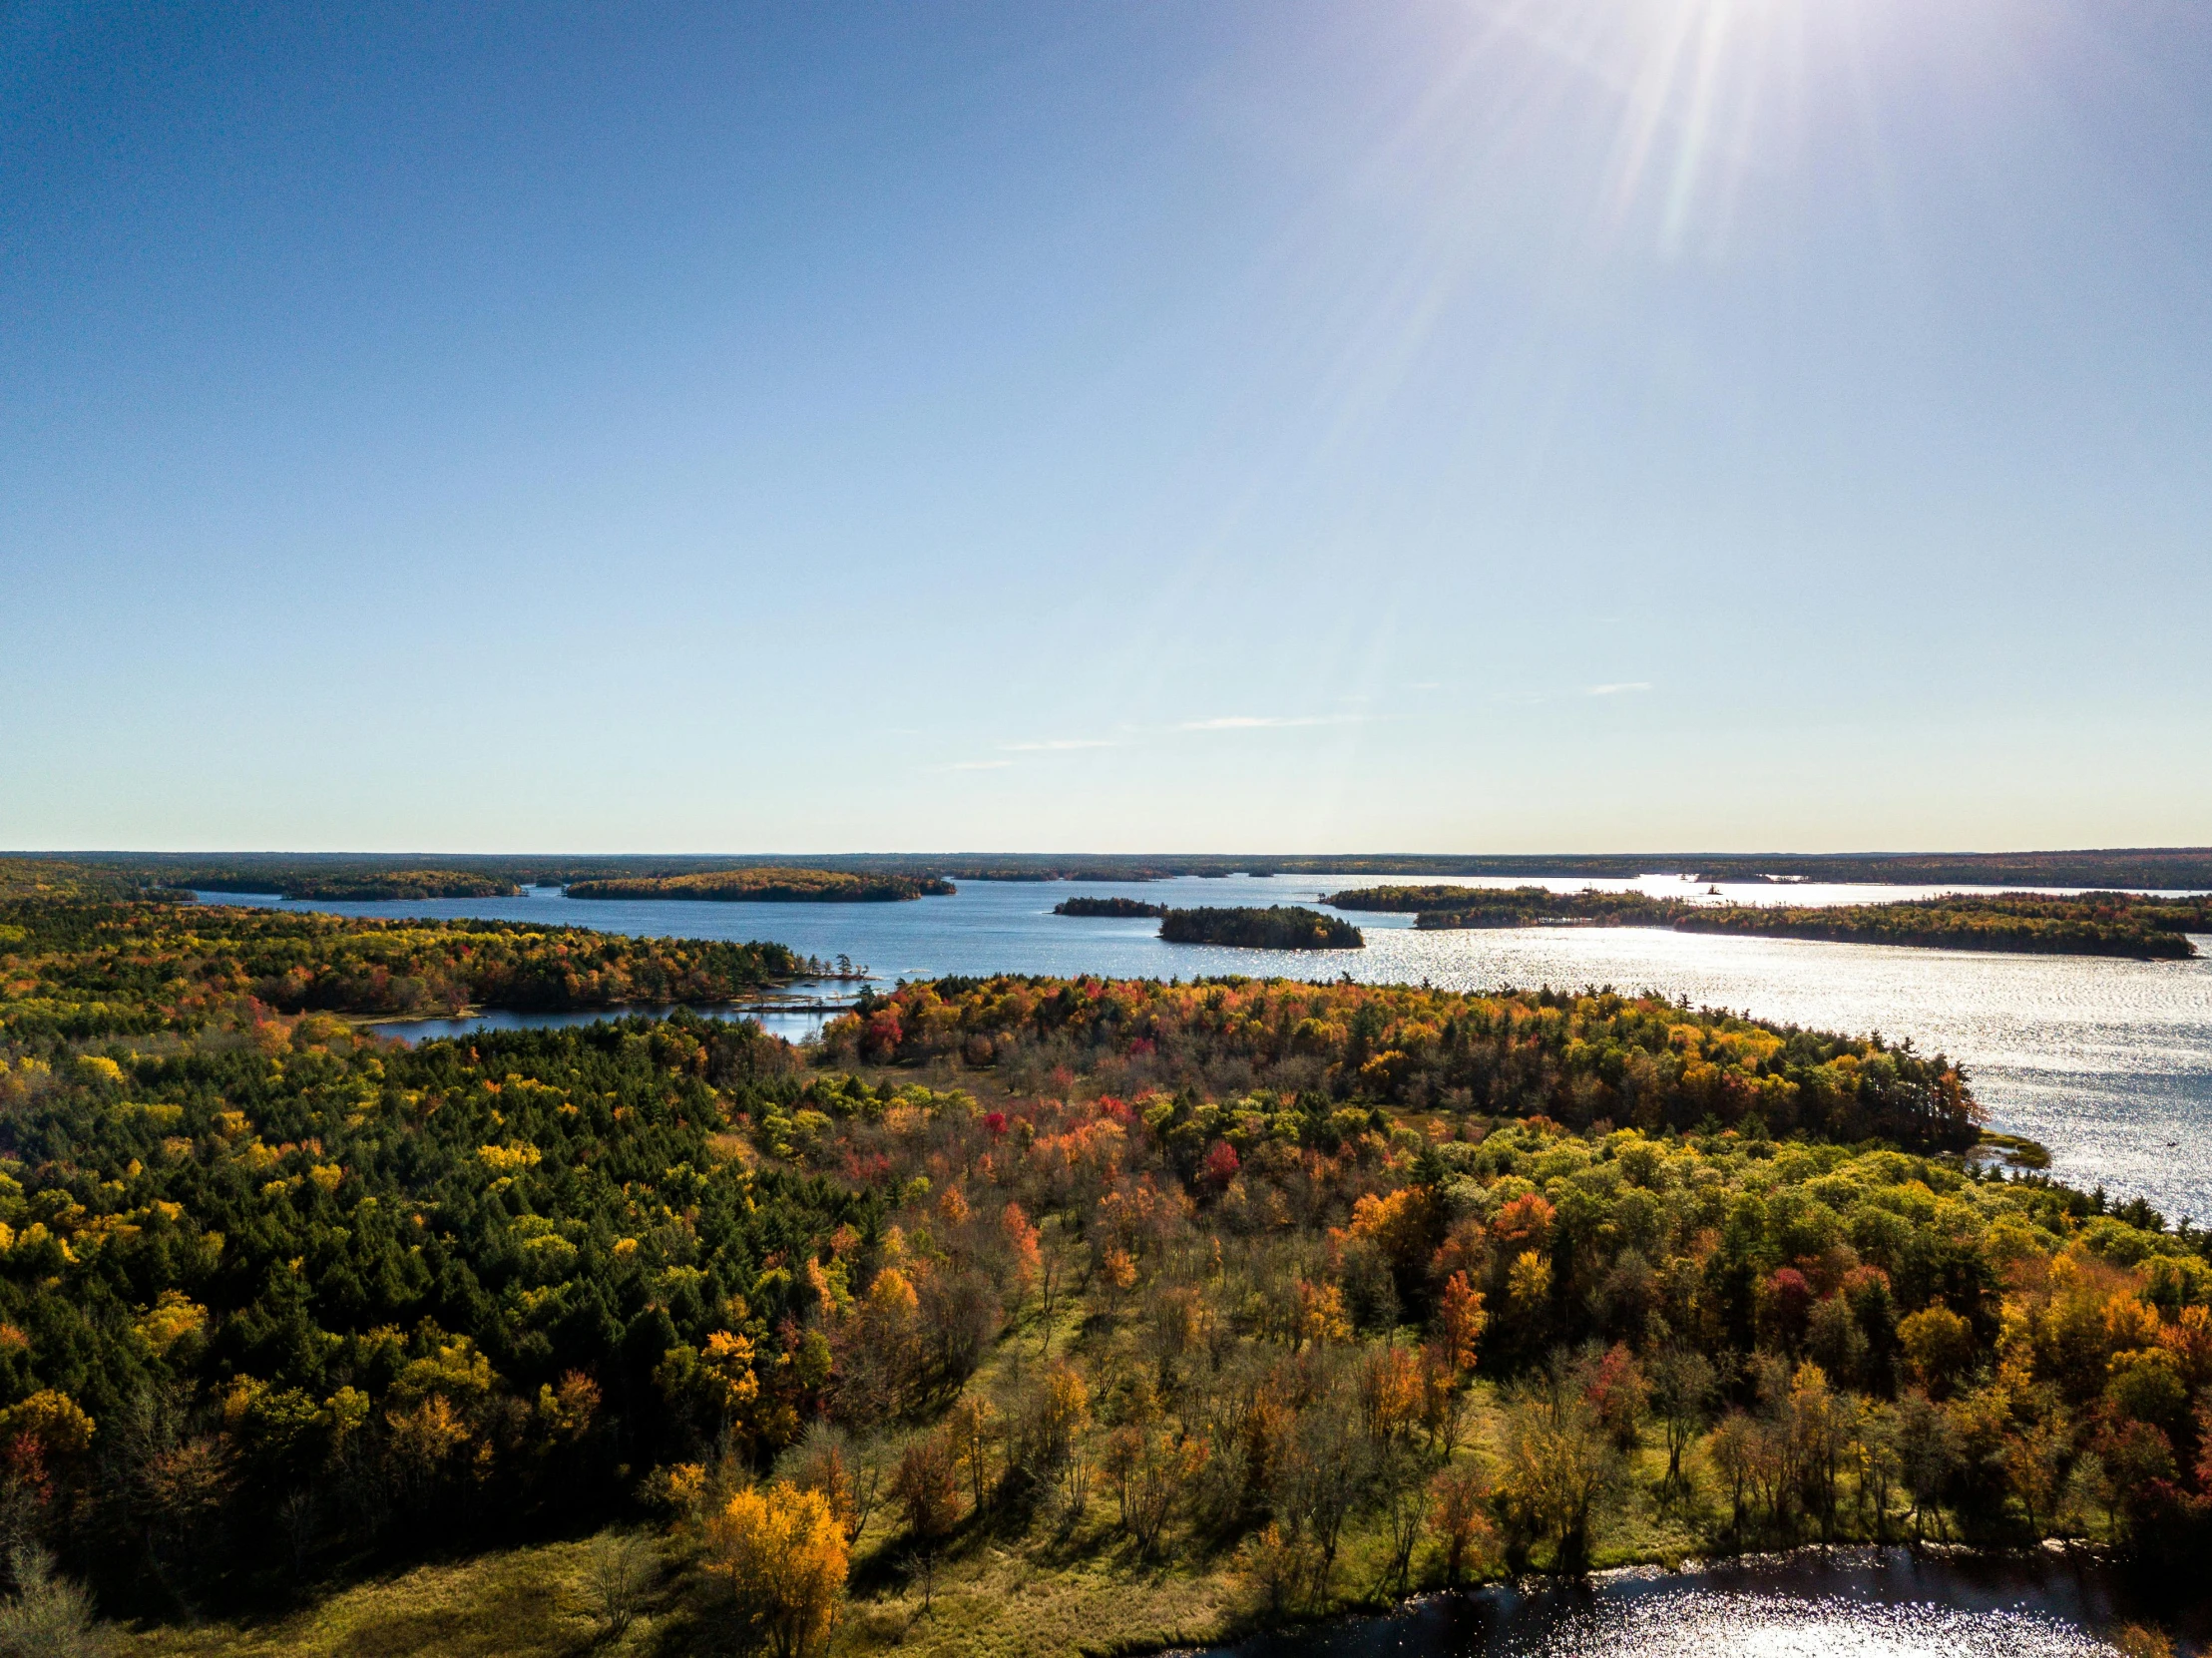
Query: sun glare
1703, 93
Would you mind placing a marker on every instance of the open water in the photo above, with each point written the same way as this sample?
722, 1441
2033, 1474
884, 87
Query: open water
2106, 1062
1858, 1604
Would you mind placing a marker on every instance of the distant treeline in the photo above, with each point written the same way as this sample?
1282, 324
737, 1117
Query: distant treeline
356, 888
51, 878
1124, 907
772, 886
2092, 924
1278, 927
2170, 868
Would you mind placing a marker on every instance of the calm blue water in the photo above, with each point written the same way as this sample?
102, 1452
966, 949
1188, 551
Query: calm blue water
1859, 1604
2109, 1062
796, 1016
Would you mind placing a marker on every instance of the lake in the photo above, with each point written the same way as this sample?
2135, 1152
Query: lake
2107, 1061
1854, 1603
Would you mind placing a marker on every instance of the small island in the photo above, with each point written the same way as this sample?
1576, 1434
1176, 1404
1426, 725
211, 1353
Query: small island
770, 885
1121, 908
1278, 927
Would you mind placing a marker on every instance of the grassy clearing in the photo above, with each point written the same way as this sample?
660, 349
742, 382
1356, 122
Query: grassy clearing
1073, 1593
523, 1600
1003, 1588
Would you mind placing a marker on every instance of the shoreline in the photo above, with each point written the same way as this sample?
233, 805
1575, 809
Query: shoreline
626, 1010
2051, 1553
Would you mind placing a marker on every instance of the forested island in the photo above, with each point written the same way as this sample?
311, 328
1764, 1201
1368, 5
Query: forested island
1278, 927
2088, 924
1127, 908
1018, 1312
772, 886
1445, 906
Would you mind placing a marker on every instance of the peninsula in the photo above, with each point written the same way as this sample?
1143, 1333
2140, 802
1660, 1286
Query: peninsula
2135, 925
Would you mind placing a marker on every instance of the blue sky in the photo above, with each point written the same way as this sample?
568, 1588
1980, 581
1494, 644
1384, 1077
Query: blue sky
1438, 426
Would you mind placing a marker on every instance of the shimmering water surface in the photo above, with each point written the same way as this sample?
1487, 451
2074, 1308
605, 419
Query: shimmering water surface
795, 1015
2108, 1062
1860, 1604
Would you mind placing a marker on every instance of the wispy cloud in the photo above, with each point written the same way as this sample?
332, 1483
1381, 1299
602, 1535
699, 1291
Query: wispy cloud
981, 765
1059, 745
1622, 689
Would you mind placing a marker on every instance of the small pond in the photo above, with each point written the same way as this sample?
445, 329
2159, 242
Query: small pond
794, 1012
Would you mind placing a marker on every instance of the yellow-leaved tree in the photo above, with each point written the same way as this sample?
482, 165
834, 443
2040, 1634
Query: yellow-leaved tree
785, 1550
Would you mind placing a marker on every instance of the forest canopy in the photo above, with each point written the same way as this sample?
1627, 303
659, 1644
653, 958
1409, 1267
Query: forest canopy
2093, 924
1319, 1290
1119, 907
1278, 927
86, 970
1581, 1059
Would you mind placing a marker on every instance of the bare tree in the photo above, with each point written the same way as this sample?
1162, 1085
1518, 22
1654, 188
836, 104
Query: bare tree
1882, 1467
50, 1616
1404, 1488
617, 1573
1325, 1472
971, 1427
1682, 1384
927, 1487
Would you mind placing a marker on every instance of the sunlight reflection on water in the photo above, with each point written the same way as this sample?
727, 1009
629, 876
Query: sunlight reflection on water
1852, 1603
1701, 1624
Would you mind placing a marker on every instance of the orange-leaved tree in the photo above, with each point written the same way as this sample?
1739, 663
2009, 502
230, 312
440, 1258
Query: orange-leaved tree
786, 1551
